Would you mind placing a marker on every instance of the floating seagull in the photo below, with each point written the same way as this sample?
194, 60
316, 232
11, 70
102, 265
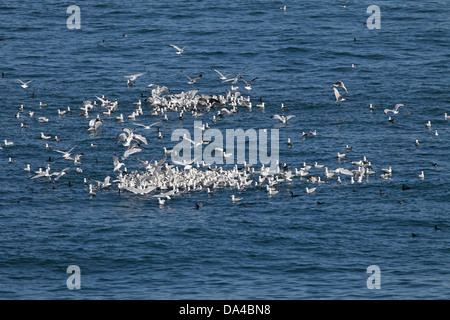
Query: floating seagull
234, 199
24, 84
8, 143
395, 110
341, 155
417, 143
446, 117
421, 176
43, 136
192, 80
248, 86
428, 124
310, 190
179, 50
283, 119
283, 8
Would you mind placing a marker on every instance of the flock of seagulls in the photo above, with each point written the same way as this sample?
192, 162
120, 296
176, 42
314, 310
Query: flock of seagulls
170, 176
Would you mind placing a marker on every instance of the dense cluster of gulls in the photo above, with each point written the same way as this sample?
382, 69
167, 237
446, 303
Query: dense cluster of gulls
168, 178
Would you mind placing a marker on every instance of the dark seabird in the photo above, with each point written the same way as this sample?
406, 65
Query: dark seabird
294, 195
405, 187
436, 228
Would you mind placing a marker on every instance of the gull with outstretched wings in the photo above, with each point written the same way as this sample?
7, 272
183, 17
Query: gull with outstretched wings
179, 50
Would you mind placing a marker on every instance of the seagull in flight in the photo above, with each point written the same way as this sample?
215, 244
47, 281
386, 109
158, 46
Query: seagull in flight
233, 80
283, 119
340, 84
24, 84
222, 77
179, 50
133, 77
338, 95
395, 110
193, 80
145, 126
248, 86
343, 6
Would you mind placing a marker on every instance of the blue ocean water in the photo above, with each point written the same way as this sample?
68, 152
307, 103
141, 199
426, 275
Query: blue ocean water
127, 246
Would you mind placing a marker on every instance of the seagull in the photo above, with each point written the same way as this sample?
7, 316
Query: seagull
395, 110
428, 124
145, 126
308, 190
43, 136
417, 143
179, 50
283, 119
283, 8
24, 84
343, 6
372, 107
341, 155
193, 80
222, 77
234, 199
133, 77
338, 95
233, 80
248, 86
117, 164
340, 84
446, 117
8, 143
60, 174
289, 142
421, 176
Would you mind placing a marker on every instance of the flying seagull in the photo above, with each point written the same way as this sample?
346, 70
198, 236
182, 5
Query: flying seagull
338, 95
283, 119
395, 110
192, 80
24, 84
179, 50
248, 86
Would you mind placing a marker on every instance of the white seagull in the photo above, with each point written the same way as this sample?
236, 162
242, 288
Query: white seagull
248, 86
222, 77
338, 95
24, 84
179, 50
283, 119
395, 110
192, 80
340, 84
